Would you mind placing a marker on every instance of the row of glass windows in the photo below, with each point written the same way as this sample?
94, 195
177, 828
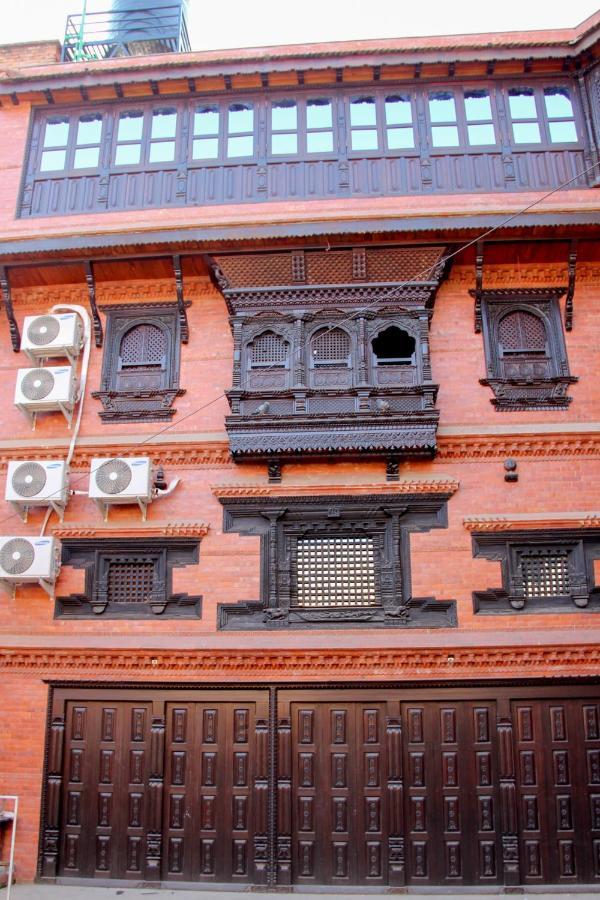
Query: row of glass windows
306, 126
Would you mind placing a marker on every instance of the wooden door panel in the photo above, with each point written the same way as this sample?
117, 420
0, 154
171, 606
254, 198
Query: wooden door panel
558, 784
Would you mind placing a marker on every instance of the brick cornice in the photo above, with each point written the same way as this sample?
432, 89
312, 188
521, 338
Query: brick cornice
443, 485
143, 530
532, 520
516, 276
283, 665
494, 446
190, 453
113, 292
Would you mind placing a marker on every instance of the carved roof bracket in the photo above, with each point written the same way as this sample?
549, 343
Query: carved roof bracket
572, 271
181, 303
15, 335
478, 285
91, 286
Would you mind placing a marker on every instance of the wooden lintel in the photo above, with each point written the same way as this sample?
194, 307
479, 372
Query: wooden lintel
181, 305
15, 335
572, 271
91, 286
478, 285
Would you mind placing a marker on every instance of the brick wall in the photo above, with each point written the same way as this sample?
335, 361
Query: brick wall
34, 53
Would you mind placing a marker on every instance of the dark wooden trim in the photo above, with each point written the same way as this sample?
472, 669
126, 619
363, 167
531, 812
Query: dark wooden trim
15, 335
572, 274
582, 547
94, 555
91, 286
181, 304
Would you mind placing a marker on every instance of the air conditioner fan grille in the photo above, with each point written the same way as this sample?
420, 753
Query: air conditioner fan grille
29, 479
37, 384
16, 556
113, 476
43, 330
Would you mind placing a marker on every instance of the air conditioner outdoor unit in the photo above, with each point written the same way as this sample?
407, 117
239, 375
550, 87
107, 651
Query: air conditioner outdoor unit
25, 560
37, 483
52, 335
45, 390
120, 481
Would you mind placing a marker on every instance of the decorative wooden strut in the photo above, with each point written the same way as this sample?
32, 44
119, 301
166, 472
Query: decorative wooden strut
572, 271
91, 286
478, 285
181, 304
15, 334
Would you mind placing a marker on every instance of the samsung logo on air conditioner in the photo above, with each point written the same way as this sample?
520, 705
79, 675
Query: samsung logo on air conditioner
41, 543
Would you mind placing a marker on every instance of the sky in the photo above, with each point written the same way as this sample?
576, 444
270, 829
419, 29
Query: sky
255, 23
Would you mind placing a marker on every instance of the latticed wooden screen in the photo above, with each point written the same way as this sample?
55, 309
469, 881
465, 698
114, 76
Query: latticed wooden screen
545, 574
336, 571
144, 345
130, 582
521, 331
269, 349
331, 346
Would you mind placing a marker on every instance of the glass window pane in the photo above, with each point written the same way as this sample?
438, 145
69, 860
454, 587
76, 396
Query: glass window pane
163, 151
365, 139
526, 133
444, 136
522, 104
319, 142
363, 111
206, 148
318, 114
86, 158
562, 132
284, 143
127, 154
89, 130
240, 146
442, 108
241, 118
558, 103
284, 116
164, 123
481, 134
206, 120
477, 106
57, 133
398, 111
400, 138
53, 160
130, 126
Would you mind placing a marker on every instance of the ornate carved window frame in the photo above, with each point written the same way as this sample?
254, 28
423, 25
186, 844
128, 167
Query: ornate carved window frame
388, 518
95, 556
144, 405
580, 547
535, 392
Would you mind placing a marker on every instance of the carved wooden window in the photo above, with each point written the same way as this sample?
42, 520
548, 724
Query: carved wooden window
140, 369
335, 572
363, 124
335, 562
146, 136
541, 572
399, 129
442, 116
542, 115
284, 127
129, 579
130, 130
55, 144
394, 347
319, 125
526, 357
331, 347
479, 119
163, 131
206, 132
240, 130
269, 349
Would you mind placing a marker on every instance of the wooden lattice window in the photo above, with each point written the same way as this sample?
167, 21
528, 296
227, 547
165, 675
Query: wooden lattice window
545, 573
331, 347
269, 349
336, 571
131, 581
521, 332
140, 370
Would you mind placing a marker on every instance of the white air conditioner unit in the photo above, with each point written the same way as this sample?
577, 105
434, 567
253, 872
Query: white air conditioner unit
25, 560
37, 483
52, 335
45, 390
120, 481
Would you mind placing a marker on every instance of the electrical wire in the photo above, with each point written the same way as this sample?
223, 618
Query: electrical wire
420, 276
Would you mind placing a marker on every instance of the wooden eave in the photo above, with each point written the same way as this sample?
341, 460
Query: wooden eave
280, 68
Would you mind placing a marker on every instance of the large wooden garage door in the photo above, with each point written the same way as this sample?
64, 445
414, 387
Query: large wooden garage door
389, 793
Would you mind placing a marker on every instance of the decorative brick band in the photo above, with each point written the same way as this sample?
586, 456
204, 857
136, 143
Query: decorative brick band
496, 446
532, 520
453, 662
145, 530
415, 486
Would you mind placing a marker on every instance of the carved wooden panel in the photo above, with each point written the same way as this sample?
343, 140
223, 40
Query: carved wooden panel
105, 794
558, 785
215, 817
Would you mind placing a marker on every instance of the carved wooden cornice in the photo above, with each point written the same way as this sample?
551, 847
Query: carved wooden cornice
138, 290
143, 530
532, 521
526, 276
441, 485
288, 665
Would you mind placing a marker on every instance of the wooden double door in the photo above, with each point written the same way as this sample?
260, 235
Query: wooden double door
325, 787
